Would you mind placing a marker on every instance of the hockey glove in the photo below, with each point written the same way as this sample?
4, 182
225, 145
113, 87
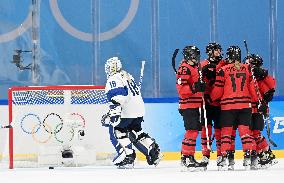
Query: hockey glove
105, 120
199, 87
115, 113
268, 96
209, 71
259, 73
262, 107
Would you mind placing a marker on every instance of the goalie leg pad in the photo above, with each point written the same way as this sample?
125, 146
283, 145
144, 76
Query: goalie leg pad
127, 154
146, 145
114, 141
124, 141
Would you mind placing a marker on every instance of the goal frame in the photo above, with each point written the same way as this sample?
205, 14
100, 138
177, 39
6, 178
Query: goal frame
20, 88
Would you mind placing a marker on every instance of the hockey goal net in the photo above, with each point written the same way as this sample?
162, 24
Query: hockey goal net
48, 120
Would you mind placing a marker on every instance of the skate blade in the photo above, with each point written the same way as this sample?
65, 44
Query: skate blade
191, 169
195, 169
247, 167
128, 166
231, 168
223, 168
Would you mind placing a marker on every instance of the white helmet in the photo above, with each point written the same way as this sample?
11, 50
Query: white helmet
113, 66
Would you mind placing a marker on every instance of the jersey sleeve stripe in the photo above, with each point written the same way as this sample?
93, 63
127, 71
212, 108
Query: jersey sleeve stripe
117, 91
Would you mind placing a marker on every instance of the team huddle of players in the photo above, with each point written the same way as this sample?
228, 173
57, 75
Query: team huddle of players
230, 95
225, 93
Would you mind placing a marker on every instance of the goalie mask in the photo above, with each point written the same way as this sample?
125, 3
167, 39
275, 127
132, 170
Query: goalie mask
210, 49
112, 66
233, 54
191, 53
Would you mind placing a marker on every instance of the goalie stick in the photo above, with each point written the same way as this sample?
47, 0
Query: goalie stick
266, 117
141, 74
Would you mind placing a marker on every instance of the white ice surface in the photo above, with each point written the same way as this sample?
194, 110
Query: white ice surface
165, 172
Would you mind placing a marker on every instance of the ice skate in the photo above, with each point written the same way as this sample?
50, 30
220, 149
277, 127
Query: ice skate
222, 163
204, 162
231, 159
267, 159
219, 159
247, 160
127, 162
189, 163
254, 161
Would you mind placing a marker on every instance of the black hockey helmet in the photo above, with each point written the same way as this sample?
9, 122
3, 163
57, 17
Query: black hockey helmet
255, 60
233, 53
191, 53
210, 48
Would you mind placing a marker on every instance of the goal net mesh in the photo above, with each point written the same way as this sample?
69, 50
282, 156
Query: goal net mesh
50, 120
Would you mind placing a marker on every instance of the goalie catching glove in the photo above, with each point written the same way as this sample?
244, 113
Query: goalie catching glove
113, 116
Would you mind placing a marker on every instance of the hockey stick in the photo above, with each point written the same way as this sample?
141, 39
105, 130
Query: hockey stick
174, 59
253, 77
204, 110
246, 46
266, 118
141, 74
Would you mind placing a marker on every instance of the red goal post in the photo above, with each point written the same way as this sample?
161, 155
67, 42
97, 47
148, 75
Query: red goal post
44, 117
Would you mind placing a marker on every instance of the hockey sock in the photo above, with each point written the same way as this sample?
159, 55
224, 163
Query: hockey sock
217, 133
189, 142
233, 138
246, 138
226, 139
205, 150
261, 143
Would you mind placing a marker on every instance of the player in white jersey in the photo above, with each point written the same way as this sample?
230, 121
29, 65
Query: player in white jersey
125, 117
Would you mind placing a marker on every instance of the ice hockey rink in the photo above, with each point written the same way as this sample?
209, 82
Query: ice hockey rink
166, 171
62, 47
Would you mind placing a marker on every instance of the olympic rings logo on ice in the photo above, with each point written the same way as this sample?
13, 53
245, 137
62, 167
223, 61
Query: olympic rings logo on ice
67, 27
52, 125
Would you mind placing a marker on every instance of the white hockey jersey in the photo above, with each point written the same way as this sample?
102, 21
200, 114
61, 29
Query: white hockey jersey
121, 87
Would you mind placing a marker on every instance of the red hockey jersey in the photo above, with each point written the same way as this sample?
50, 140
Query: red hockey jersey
268, 83
210, 83
186, 76
234, 87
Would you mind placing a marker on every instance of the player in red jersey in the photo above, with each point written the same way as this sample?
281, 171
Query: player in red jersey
235, 89
190, 90
266, 85
209, 66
